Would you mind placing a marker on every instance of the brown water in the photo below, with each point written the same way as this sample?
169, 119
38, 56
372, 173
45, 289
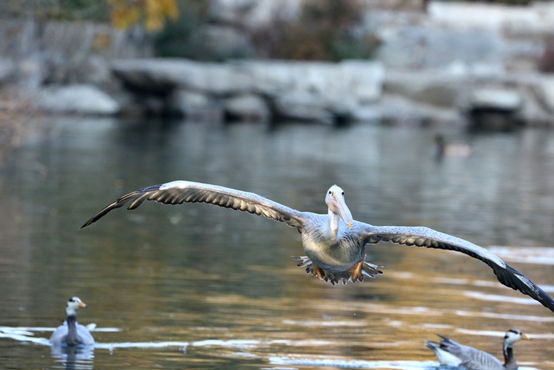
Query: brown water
201, 287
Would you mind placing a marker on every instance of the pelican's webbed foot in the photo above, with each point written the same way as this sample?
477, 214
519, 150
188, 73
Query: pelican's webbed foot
353, 274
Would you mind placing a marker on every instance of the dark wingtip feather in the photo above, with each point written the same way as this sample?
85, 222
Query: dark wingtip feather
119, 202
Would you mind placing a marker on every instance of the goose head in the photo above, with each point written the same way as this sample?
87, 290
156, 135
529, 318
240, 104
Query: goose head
512, 336
72, 305
336, 203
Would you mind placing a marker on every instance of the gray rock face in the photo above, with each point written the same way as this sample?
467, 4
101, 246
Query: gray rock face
247, 107
302, 106
6, 70
427, 87
81, 99
500, 99
189, 103
545, 91
299, 90
161, 75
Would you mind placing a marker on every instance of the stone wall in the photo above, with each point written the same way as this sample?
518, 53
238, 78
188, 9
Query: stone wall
36, 53
445, 64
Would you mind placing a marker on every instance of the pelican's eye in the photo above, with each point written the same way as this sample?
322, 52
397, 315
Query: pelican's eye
343, 193
330, 192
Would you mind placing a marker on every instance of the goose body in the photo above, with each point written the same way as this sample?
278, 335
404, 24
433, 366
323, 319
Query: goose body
447, 149
334, 243
450, 353
71, 333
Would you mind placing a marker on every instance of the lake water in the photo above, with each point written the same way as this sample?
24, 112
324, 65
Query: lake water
202, 287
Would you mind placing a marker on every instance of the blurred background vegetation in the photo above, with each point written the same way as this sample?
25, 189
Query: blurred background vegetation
325, 29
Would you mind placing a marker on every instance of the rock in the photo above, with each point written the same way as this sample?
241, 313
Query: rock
246, 108
487, 16
302, 106
499, 99
428, 87
533, 112
360, 80
82, 99
6, 70
161, 75
306, 91
363, 79
224, 42
97, 71
253, 14
544, 88
194, 105
495, 108
429, 45
366, 114
402, 110
184, 101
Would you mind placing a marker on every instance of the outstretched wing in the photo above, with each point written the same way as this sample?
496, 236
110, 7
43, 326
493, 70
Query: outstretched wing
178, 192
428, 238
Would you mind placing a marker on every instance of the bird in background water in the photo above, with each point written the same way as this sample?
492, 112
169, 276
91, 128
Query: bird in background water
71, 333
450, 353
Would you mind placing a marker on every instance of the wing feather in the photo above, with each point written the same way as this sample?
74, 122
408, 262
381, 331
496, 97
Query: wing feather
428, 238
178, 192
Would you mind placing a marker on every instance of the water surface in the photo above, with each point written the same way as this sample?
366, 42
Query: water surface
201, 287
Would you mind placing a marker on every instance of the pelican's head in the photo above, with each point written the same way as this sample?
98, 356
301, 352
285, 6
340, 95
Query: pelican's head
336, 203
514, 335
73, 304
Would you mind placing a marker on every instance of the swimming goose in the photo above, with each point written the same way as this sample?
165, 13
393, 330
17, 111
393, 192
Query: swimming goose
334, 243
446, 149
450, 353
71, 333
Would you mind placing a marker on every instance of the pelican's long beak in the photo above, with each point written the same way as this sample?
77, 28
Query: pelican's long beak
339, 207
523, 336
82, 305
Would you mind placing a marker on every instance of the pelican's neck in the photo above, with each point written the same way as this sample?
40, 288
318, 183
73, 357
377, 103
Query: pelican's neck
71, 330
333, 220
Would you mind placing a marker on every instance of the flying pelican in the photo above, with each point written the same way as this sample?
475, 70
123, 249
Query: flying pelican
450, 353
334, 243
72, 333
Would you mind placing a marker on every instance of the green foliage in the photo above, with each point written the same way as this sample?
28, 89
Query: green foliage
177, 39
325, 30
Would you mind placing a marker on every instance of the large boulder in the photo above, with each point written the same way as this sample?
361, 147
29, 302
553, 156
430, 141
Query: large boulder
428, 87
249, 107
302, 106
430, 45
7, 69
253, 14
306, 91
161, 75
496, 99
362, 80
189, 103
400, 109
81, 99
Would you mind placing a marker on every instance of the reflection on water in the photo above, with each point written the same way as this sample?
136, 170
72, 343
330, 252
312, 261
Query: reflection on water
72, 357
202, 287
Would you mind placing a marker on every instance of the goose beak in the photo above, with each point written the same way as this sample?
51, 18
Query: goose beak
523, 336
82, 305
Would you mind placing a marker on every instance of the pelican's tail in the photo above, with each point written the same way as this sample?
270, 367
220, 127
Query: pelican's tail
354, 274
